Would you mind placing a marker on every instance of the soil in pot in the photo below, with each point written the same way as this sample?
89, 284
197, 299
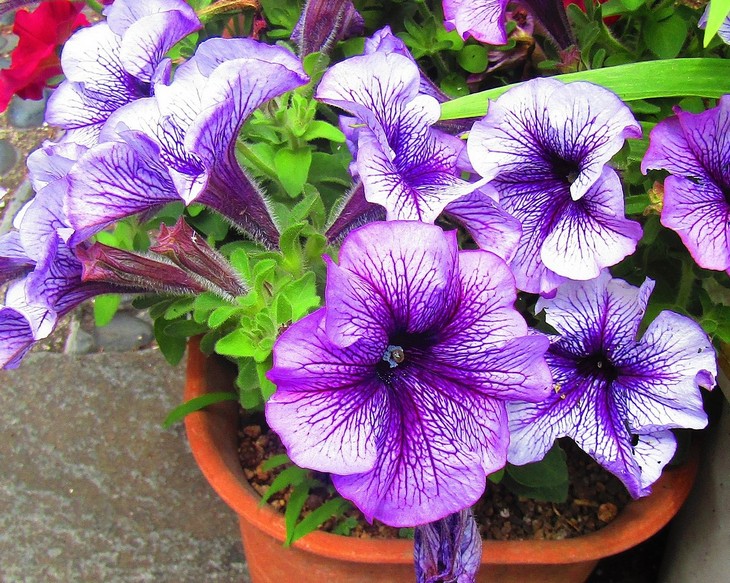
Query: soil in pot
595, 497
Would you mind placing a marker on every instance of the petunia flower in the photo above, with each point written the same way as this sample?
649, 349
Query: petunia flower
35, 60
615, 395
449, 549
405, 165
544, 146
180, 144
695, 150
116, 62
482, 19
398, 385
325, 22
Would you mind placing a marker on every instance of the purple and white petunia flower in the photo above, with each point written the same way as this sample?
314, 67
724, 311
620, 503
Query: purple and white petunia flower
544, 146
116, 62
180, 144
482, 19
405, 165
615, 395
398, 385
695, 150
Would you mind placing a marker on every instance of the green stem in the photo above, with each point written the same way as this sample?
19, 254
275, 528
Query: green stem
255, 161
685, 284
95, 6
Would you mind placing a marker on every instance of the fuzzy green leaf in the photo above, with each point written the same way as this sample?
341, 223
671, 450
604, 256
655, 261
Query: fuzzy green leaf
237, 343
104, 308
292, 169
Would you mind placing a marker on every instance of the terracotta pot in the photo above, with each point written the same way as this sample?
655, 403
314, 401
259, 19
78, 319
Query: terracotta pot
323, 557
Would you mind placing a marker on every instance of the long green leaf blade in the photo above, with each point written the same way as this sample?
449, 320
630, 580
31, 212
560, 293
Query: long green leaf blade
719, 10
196, 404
645, 80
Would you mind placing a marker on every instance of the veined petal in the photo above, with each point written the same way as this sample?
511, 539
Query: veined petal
492, 228
52, 161
115, 180
699, 213
14, 261
16, 337
663, 373
148, 30
438, 445
409, 266
373, 87
482, 19
670, 150
591, 233
328, 405
603, 313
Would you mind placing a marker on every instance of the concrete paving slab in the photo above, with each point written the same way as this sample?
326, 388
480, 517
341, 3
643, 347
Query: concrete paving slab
93, 489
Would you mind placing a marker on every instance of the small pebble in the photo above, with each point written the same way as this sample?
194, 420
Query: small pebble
8, 157
27, 113
607, 512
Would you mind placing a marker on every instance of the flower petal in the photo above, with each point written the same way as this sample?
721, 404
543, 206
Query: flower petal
328, 404
437, 447
482, 19
408, 266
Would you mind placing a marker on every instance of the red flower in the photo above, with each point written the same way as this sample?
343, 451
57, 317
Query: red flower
36, 59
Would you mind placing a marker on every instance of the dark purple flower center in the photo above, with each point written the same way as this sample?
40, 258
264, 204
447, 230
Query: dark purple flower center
565, 169
598, 364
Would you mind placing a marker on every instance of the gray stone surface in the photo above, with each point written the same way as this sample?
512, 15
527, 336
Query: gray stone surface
8, 157
27, 113
22, 195
92, 489
699, 538
125, 332
8, 42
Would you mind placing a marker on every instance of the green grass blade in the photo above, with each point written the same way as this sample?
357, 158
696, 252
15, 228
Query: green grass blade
645, 80
196, 404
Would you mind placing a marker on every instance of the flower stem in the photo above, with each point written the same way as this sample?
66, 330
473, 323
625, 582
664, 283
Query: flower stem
685, 284
95, 6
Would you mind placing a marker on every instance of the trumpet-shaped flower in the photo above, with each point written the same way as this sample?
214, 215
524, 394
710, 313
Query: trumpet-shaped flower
695, 150
116, 62
405, 165
179, 144
398, 386
617, 397
544, 146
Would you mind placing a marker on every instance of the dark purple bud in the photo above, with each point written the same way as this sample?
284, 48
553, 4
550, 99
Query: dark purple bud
323, 23
449, 549
186, 248
354, 212
118, 267
551, 15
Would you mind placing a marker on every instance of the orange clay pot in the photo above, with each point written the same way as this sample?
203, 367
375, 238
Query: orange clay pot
322, 557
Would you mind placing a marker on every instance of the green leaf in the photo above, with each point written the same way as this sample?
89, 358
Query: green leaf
290, 476
719, 10
473, 58
185, 329
221, 315
332, 508
104, 308
196, 404
237, 343
665, 38
322, 130
294, 506
292, 169
669, 78
544, 480
275, 461
179, 307
454, 85
172, 347
267, 387
635, 205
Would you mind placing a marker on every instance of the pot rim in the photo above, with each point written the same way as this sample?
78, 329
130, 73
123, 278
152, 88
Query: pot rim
212, 434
